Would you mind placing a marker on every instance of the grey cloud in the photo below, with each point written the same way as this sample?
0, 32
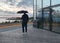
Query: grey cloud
11, 2
25, 3
19, 3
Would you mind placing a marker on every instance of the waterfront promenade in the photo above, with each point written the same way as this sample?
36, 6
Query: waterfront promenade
14, 35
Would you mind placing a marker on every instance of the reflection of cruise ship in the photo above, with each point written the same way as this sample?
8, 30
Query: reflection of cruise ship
46, 13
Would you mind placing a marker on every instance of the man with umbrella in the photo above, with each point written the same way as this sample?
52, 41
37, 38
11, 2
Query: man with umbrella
25, 19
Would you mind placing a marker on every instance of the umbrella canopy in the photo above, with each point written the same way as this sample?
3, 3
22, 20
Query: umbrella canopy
22, 11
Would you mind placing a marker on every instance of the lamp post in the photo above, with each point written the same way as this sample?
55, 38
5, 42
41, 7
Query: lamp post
50, 17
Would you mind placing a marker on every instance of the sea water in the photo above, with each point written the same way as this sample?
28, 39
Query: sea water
4, 20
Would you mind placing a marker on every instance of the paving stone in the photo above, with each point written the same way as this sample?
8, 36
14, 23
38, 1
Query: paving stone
33, 35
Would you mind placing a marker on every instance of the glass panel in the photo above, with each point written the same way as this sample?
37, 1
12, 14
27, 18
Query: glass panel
38, 3
46, 18
54, 2
56, 19
38, 9
46, 3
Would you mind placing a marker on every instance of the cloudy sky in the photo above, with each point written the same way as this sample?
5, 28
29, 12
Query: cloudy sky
15, 5
12, 6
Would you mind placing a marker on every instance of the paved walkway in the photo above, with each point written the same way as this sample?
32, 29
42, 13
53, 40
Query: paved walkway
32, 36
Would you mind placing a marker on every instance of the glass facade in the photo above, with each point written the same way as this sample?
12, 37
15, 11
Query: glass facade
47, 14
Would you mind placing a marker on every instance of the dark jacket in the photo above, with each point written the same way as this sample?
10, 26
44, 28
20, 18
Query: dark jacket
25, 18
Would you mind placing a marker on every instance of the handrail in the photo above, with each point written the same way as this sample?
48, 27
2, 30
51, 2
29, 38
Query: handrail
51, 6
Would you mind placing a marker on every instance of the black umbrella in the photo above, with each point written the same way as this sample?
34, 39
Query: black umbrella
22, 11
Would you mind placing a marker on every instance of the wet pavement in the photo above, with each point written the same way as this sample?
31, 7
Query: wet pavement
34, 35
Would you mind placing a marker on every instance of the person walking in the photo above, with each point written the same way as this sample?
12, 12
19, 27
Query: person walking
25, 20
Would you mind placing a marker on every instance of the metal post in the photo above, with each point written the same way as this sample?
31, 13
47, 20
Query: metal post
33, 9
33, 13
42, 13
50, 17
36, 9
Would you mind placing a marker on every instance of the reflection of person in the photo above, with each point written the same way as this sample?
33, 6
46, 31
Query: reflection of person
25, 19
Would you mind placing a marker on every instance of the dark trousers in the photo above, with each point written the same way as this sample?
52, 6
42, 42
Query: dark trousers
24, 27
